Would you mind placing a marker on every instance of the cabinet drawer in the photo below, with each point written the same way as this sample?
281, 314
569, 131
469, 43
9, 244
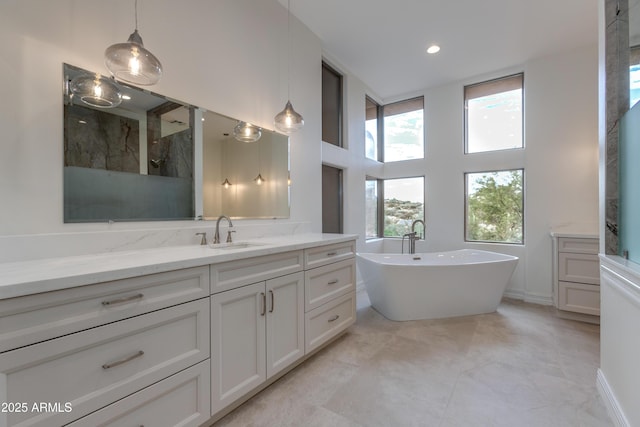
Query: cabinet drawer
232, 274
72, 310
323, 255
579, 298
322, 284
328, 320
578, 245
579, 268
182, 399
94, 368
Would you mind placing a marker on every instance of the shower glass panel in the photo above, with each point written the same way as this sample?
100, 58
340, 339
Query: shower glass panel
629, 177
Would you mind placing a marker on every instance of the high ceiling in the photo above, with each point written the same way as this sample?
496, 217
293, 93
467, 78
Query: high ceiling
383, 42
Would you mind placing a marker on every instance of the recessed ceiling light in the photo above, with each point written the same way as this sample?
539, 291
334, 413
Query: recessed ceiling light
127, 97
434, 48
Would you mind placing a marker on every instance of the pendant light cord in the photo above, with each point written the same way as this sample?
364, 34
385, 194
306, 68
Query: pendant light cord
135, 5
289, 53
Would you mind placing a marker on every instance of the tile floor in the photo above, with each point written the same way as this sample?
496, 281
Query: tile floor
521, 366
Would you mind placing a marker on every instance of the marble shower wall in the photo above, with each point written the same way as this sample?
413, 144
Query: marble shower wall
617, 93
100, 140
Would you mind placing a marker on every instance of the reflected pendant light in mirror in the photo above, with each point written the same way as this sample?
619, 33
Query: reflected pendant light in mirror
246, 132
288, 120
95, 90
131, 62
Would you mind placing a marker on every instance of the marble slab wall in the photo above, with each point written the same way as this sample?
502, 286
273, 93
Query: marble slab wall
100, 140
617, 94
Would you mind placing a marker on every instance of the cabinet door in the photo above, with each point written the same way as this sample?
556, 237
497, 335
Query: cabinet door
237, 343
285, 321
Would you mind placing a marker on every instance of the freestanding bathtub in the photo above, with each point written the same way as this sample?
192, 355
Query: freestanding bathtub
435, 285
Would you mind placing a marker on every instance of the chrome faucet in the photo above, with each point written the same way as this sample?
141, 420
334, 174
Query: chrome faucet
413, 236
412, 241
216, 236
413, 227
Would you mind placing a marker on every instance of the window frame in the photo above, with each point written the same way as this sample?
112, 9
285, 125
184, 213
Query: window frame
340, 104
466, 110
466, 207
380, 130
381, 191
397, 104
379, 226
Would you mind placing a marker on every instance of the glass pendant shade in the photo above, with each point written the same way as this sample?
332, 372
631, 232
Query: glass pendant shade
246, 132
288, 120
95, 90
132, 63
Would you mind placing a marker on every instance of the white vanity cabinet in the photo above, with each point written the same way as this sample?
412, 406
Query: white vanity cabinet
256, 331
93, 346
330, 292
166, 337
576, 272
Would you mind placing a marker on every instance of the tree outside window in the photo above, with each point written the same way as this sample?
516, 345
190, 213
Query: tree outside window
495, 206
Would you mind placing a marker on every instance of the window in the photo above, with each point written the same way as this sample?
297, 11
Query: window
331, 199
403, 203
371, 129
495, 206
404, 130
372, 207
493, 115
331, 106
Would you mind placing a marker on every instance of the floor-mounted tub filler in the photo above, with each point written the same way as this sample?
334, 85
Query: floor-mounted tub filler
437, 284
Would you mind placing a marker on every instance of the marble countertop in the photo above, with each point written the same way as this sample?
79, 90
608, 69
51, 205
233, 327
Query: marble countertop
576, 230
44, 275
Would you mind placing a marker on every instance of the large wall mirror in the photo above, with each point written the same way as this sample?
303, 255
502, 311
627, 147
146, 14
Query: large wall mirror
136, 161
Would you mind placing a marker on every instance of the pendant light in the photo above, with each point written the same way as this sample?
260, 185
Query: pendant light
226, 183
95, 90
131, 62
259, 179
246, 132
288, 120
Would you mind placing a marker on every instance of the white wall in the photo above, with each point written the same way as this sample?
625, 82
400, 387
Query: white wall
228, 56
560, 162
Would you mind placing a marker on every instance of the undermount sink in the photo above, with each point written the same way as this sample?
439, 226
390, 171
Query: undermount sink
235, 245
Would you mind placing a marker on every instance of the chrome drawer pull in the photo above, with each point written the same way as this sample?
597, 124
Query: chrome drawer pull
123, 299
332, 253
334, 318
333, 282
121, 361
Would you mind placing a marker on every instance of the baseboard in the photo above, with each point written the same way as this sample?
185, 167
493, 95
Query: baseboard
613, 408
527, 297
514, 294
538, 299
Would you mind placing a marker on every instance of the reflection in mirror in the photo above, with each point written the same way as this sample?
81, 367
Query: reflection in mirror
231, 167
133, 162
